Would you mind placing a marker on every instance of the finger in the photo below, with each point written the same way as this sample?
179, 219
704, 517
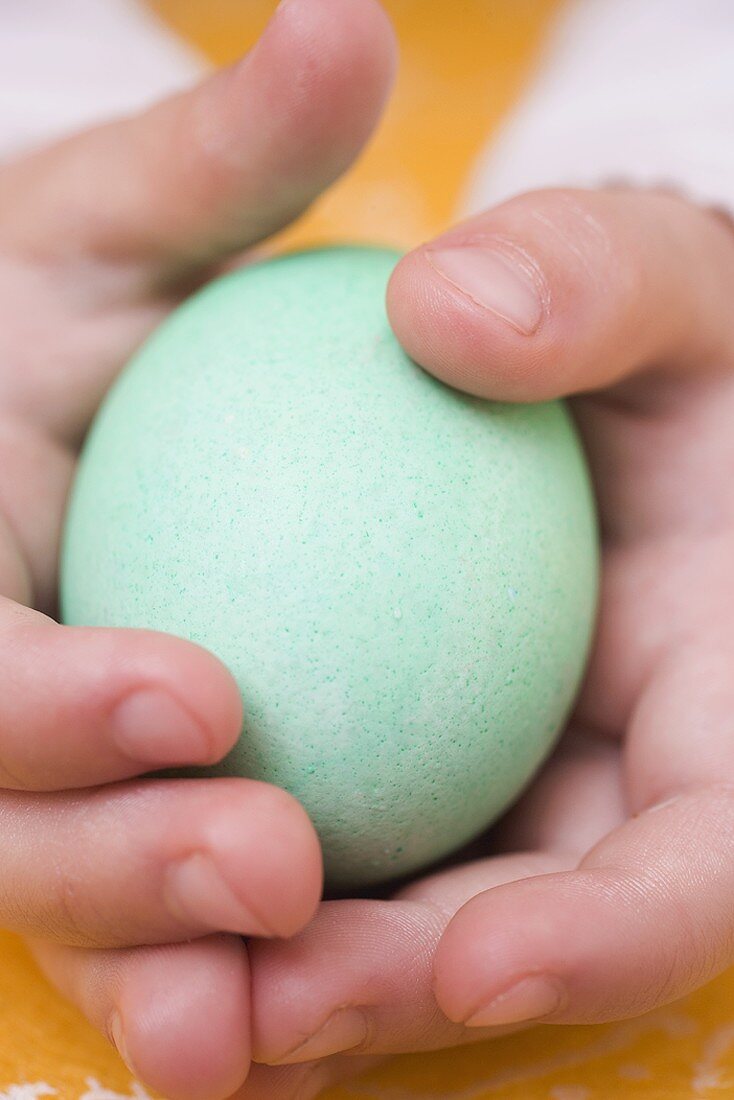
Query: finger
647, 916
178, 1015
212, 170
557, 292
358, 979
157, 861
81, 706
360, 976
115, 224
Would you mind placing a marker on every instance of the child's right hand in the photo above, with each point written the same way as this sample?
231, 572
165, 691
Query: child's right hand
99, 238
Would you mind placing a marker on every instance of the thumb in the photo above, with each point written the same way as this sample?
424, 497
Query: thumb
212, 170
558, 292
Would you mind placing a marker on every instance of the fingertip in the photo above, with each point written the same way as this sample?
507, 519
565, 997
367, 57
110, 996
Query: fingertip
283, 873
552, 293
179, 1015
213, 696
552, 948
348, 42
341, 57
196, 679
462, 341
452, 964
87, 705
497, 962
182, 1024
256, 143
295, 877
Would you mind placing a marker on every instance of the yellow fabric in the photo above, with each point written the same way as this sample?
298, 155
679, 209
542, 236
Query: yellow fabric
462, 64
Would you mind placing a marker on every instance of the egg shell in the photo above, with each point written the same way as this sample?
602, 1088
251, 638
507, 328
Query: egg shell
402, 578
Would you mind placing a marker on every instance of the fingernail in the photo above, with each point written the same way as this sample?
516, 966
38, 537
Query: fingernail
529, 999
196, 894
152, 727
344, 1030
501, 279
117, 1035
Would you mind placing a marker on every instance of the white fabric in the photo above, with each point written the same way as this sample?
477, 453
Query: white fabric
65, 64
640, 91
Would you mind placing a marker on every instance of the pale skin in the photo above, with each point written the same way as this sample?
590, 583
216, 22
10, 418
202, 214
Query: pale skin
609, 889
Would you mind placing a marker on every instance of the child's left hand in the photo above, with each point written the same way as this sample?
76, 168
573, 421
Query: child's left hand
609, 889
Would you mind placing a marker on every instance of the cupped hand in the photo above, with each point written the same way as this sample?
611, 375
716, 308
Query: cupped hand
100, 236
609, 889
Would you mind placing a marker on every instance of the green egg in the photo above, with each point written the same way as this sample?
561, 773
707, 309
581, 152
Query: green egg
401, 578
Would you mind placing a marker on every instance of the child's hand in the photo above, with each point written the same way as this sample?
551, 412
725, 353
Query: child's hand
610, 887
99, 237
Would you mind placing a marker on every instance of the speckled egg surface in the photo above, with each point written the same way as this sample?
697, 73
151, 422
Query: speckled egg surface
401, 578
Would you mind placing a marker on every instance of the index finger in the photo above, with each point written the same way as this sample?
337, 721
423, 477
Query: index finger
206, 173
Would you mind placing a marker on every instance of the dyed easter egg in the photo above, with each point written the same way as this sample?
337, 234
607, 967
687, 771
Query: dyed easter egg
401, 578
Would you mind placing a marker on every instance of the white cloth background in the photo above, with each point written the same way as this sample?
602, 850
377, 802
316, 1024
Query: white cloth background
634, 90
65, 64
